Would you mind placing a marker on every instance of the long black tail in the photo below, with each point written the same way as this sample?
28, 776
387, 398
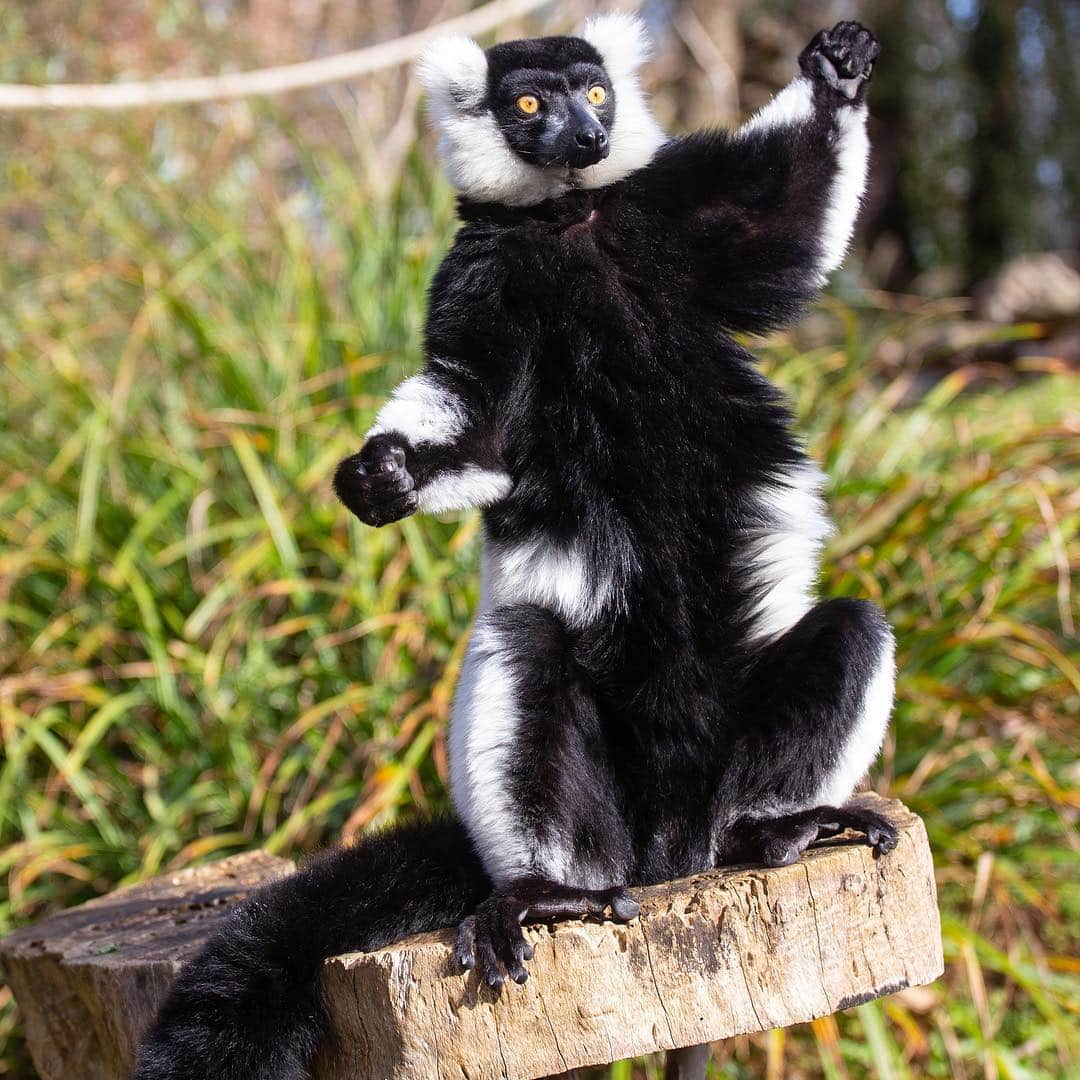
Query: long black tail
248, 1006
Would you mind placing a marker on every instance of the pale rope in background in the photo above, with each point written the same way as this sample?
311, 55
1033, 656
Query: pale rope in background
272, 80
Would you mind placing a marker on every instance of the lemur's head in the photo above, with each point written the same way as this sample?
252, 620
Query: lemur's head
528, 120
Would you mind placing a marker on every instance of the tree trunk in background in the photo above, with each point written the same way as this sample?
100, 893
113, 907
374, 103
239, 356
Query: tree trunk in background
998, 201
888, 217
708, 94
1061, 63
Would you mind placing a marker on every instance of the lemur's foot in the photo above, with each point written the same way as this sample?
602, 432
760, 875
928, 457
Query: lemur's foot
843, 56
780, 841
491, 939
375, 485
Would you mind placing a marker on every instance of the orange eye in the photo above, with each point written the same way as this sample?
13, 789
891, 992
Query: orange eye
597, 95
528, 104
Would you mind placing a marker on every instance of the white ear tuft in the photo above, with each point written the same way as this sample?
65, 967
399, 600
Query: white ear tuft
453, 71
621, 39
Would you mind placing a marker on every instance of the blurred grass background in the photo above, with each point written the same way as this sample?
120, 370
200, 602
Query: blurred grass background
200, 652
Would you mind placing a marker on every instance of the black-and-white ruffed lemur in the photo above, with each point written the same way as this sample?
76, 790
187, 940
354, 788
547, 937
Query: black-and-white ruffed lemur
651, 688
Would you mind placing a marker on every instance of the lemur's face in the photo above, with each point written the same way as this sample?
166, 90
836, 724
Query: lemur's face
526, 121
553, 101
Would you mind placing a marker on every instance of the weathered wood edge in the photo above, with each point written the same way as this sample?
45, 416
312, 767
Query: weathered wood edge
719, 954
89, 980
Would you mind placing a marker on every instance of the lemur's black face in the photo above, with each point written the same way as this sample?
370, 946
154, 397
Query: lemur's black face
553, 100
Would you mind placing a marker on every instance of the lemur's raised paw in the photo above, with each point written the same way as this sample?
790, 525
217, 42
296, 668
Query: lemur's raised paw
843, 56
375, 485
491, 939
780, 841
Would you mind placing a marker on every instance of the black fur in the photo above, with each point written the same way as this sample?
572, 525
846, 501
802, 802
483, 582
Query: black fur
248, 1005
588, 343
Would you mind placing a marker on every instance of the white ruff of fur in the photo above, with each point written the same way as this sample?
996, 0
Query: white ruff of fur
463, 489
478, 160
483, 731
864, 743
424, 412
845, 199
783, 553
623, 44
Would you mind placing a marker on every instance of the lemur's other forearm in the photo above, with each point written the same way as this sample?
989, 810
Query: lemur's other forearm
433, 447
449, 446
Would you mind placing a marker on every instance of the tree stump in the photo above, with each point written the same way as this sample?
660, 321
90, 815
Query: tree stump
719, 954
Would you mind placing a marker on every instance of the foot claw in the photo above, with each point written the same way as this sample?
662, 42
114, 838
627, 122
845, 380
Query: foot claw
491, 940
881, 835
623, 906
465, 945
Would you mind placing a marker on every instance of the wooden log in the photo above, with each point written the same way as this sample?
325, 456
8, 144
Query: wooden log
719, 954
88, 981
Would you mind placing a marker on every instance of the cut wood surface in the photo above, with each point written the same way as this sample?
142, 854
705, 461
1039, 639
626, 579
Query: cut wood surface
723, 953
89, 980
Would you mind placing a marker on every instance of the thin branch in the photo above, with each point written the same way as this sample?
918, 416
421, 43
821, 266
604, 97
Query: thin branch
265, 81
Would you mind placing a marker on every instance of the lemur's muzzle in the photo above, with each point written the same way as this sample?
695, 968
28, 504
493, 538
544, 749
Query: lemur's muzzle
585, 139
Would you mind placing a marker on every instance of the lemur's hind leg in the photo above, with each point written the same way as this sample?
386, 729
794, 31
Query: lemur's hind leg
530, 777
780, 841
814, 707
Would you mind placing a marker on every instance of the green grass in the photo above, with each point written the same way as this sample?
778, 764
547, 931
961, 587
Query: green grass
200, 652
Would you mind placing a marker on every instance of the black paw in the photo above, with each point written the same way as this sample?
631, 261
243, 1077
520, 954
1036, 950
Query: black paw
491, 939
780, 841
880, 832
843, 57
375, 485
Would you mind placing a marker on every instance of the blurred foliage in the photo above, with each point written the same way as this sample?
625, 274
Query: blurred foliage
199, 652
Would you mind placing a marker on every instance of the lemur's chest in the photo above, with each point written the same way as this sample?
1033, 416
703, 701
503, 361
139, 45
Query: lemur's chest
590, 266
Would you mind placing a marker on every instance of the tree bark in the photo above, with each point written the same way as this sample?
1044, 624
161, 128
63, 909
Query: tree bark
723, 953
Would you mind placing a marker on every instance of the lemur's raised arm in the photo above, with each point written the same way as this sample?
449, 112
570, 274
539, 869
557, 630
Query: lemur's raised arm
769, 209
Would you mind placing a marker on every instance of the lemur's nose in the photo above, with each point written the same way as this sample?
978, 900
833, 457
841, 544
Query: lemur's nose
592, 139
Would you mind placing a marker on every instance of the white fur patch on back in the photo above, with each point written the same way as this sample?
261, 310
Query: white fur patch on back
782, 553
423, 411
551, 575
463, 489
864, 743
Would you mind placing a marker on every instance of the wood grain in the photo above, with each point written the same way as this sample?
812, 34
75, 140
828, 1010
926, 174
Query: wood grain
719, 954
